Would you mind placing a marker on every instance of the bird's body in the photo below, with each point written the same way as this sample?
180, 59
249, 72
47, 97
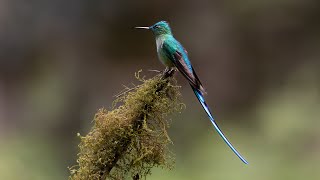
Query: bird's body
167, 44
173, 54
161, 53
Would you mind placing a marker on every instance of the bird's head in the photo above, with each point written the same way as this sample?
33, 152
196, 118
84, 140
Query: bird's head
160, 28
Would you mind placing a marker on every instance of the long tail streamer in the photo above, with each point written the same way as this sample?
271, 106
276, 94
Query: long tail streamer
206, 108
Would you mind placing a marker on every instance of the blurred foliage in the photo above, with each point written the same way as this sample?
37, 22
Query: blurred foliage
62, 60
30, 158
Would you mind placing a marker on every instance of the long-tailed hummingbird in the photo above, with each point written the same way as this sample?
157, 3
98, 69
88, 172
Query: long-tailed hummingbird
173, 54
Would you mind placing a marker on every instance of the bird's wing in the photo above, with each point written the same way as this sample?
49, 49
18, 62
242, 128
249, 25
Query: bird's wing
176, 54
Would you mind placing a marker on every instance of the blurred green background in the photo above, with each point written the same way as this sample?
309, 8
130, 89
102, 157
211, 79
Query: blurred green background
62, 60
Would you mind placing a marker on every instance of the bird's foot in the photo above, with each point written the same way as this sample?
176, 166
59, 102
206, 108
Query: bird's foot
168, 72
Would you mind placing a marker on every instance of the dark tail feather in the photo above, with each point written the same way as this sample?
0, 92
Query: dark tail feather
206, 108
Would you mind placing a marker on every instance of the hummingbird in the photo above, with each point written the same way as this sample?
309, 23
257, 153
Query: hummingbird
173, 55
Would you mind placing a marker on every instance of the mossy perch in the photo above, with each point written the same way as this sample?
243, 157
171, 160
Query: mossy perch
131, 139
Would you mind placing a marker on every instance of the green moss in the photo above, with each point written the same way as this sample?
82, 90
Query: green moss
132, 138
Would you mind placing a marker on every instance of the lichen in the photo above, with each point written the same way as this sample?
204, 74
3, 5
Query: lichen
131, 139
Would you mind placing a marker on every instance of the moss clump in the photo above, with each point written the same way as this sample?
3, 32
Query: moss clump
132, 138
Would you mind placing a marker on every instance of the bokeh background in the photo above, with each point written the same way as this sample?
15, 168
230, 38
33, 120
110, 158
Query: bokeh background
62, 60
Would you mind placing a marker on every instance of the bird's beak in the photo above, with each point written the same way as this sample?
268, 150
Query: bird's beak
142, 27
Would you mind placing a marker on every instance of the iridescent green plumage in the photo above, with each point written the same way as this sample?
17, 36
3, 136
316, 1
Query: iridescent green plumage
172, 54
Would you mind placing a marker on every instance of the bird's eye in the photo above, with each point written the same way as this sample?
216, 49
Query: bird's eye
157, 26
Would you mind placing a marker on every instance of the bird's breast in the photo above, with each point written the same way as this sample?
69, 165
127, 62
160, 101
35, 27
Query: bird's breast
159, 42
161, 53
